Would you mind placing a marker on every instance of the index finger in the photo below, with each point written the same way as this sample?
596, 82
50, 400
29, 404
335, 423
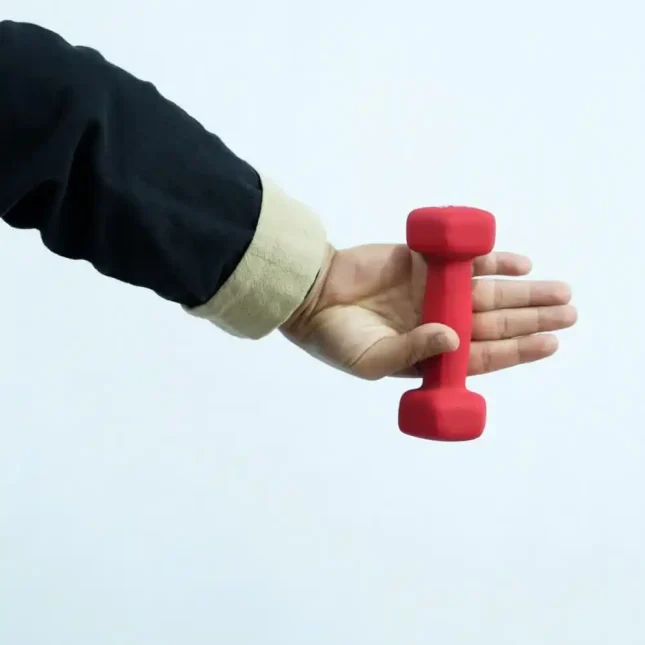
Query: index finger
501, 263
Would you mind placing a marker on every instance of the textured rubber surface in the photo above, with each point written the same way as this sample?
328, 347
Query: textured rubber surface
450, 238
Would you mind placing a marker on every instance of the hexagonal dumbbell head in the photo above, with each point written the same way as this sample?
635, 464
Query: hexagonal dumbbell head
442, 414
451, 233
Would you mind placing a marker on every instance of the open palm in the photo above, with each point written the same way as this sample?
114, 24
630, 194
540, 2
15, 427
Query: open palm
365, 315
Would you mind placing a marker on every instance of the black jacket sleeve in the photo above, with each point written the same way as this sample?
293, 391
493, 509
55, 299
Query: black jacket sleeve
109, 171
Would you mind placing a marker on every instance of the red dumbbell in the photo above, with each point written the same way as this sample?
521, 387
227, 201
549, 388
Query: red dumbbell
450, 238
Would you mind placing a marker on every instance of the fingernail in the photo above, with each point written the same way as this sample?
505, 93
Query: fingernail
447, 341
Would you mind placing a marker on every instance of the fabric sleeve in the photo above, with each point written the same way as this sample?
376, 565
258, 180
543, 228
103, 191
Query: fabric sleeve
111, 172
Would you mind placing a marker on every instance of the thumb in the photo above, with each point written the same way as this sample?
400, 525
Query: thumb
394, 354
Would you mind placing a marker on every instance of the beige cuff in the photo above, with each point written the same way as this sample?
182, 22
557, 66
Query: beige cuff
275, 274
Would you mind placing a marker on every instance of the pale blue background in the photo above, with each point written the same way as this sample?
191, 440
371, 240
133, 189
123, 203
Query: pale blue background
163, 483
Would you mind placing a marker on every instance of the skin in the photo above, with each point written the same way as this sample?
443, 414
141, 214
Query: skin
363, 315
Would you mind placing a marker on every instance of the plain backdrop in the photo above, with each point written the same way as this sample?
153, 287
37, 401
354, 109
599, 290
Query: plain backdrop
163, 483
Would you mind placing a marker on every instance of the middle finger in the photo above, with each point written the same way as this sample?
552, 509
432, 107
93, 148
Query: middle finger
491, 294
509, 323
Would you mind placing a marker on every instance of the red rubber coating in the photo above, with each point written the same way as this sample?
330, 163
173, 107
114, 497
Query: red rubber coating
443, 409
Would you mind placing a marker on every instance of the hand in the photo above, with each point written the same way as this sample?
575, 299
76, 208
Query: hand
363, 315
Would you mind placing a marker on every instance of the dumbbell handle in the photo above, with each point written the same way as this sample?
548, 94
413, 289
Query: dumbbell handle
448, 300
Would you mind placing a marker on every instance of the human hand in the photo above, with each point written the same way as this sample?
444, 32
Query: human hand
363, 315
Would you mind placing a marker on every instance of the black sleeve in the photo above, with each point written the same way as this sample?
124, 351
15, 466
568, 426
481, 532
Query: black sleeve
111, 172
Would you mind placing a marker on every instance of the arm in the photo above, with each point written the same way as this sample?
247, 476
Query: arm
109, 171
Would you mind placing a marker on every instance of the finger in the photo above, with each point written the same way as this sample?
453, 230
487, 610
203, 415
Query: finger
394, 354
489, 295
509, 323
501, 263
490, 356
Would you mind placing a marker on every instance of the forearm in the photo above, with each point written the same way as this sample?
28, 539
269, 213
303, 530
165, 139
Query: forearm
111, 172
